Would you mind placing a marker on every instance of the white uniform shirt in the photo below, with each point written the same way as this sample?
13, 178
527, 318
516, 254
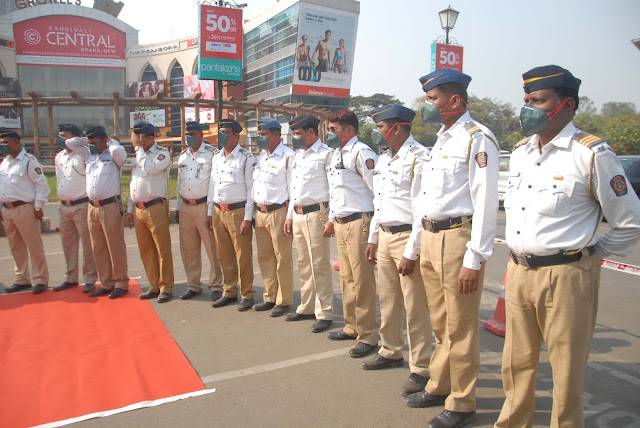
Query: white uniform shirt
451, 186
232, 180
393, 181
194, 172
71, 176
22, 179
350, 174
309, 184
272, 175
150, 175
549, 206
103, 170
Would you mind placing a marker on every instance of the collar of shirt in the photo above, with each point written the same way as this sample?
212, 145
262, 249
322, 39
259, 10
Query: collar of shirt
278, 152
316, 146
456, 128
235, 152
402, 152
21, 155
153, 148
561, 141
350, 144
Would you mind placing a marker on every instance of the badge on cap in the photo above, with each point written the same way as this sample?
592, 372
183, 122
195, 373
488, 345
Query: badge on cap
369, 163
481, 159
619, 185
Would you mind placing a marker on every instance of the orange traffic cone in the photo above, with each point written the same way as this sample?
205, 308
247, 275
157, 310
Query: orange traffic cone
336, 265
497, 324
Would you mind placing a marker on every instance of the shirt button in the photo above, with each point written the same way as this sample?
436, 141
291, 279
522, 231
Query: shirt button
522, 208
554, 186
529, 186
538, 164
518, 232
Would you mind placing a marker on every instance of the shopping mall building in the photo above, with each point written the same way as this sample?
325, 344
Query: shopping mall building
297, 51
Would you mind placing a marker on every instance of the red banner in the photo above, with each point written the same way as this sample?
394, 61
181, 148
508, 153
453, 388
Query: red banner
446, 56
221, 32
319, 91
69, 41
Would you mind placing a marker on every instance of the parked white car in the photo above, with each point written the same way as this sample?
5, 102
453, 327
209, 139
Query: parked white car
503, 176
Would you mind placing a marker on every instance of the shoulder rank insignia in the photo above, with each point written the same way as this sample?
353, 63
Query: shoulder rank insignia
475, 131
587, 139
521, 142
472, 128
209, 148
417, 150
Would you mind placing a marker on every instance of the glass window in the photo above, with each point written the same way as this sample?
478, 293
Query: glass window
149, 74
274, 75
176, 91
271, 36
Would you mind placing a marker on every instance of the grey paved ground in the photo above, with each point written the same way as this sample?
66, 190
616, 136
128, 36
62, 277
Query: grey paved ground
268, 372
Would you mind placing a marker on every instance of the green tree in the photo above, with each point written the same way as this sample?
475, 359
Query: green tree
364, 134
363, 105
623, 134
614, 109
592, 124
587, 106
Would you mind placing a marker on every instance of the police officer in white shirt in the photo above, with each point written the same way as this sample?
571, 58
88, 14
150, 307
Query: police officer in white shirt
457, 203
148, 209
74, 206
350, 174
194, 173
104, 160
23, 192
399, 282
308, 211
271, 178
561, 183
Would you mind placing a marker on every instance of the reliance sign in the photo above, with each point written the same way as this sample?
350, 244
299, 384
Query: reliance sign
69, 41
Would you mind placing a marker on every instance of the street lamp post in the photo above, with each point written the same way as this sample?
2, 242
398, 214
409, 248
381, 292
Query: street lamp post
448, 20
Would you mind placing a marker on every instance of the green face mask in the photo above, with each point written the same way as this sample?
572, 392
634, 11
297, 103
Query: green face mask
93, 149
533, 120
298, 142
223, 139
60, 141
262, 142
332, 140
430, 113
4, 149
191, 141
377, 138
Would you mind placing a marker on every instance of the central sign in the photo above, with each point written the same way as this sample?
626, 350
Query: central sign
446, 56
220, 43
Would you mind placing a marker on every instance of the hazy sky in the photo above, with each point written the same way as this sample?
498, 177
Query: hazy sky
501, 39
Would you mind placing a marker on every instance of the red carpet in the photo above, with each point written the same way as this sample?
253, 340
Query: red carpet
64, 355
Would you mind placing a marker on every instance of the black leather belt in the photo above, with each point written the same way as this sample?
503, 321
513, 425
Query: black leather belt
532, 262
152, 202
350, 218
450, 223
76, 202
269, 208
14, 204
396, 229
194, 201
102, 202
309, 208
230, 207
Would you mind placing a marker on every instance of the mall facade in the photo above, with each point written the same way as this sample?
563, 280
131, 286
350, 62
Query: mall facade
296, 51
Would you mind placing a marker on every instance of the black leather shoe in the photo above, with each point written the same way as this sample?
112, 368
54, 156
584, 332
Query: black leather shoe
148, 295
117, 292
362, 350
88, 288
278, 310
100, 292
451, 419
299, 317
164, 297
65, 285
339, 335
379, 362
224, 301
264, 306
39, 288
424, 399
321, 325
189, 294
415, 383
215, 295
17, 287
245, 305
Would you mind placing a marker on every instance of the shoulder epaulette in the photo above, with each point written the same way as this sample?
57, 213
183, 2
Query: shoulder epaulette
587, 139
475, 131
184, 151
521, 142
472, 128
29, 155
417, 150
210, 148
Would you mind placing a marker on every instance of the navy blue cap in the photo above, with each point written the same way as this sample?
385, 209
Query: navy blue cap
549, 76
144, 128
96, 131
303, 120
70, 127
230, 123
393, 111
444, 75
268, 123
4, 132
192, 125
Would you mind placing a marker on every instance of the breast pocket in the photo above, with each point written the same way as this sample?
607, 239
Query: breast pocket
441, 174
513, 184
15, 174
553, 197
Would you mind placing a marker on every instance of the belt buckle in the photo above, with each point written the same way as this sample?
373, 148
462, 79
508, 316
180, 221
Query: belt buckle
96, 203
191, 201
428, 225
522, 260
263, 208
67, 203
140, 205
10, 205
224, 207
299, 210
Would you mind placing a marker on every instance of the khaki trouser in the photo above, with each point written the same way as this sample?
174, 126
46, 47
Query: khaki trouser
358, 281
193, 233
557, 305
23, 231
235, 252
107, 241
314, 265
154, 243
274, 257
74, 228
398, 292
455, 362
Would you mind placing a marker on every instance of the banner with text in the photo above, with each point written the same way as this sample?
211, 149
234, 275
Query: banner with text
446, 56
69, 41
192, 86
155, 116
9, 88
324, 52
220, 40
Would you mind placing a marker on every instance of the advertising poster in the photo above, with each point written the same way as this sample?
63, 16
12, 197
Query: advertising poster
9, 88
69, 41
192, 86
156, 117
446, 56
324, 53
220, 41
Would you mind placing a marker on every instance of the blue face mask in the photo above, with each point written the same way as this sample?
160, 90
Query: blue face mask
223, 139
4, 149
191, 141
298, 142
93, 149
262, 142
